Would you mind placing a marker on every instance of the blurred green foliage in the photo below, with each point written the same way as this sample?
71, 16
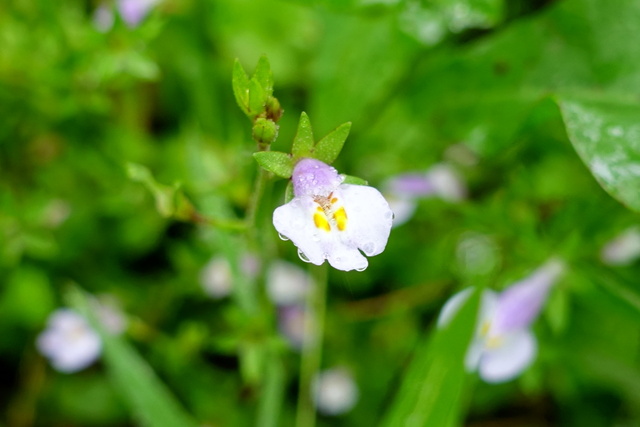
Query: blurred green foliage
535, 102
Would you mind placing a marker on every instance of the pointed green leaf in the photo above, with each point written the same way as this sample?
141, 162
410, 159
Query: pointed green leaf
257, 97
432, 389
240, 83
349, 179
264, 75
606, 135
281, 164
149, 399
303, 141
329, 147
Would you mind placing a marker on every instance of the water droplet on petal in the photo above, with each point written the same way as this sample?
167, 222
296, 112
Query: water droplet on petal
389, 215
361, 268
285, 238
302, 256
369, 248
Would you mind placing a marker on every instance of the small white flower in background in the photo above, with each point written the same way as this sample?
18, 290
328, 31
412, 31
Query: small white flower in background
69, 342
134, 11
329, 220
403, 191
504, 345
334, 391
216, 277
623, 249
291, 325
110, 314
287, 283
103, 18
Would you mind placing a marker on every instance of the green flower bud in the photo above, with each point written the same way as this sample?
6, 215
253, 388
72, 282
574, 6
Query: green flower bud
265, 131
273, 109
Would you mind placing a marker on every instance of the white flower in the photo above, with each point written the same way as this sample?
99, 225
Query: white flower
334, 391
503, 345
69, 342
623, 249
403, 191
287, 283
334, 221
216, 277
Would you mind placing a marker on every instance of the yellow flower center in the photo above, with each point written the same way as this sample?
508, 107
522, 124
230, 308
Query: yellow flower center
329, 212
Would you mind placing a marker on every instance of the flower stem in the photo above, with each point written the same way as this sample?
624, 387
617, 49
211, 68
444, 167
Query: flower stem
254, 203
312, 346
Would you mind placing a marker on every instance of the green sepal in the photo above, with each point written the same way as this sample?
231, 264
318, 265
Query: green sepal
264, 76
264, 131
329, 147
303, 141
288, 192
349, 179
240, 83
280, 164
257, 98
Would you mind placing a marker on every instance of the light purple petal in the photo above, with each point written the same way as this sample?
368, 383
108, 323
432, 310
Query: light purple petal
312, 177
514, 354
409, 185
520, 304
134, 11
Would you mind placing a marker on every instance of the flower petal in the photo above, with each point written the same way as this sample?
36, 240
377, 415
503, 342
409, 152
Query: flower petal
369, 218
507, 361
521, 303
295, 221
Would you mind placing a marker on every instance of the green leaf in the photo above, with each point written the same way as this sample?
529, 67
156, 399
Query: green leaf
264, 75
431, 391
303, 141
350, 179
151, 401
606, 135
257, 97
170, 200
329, 147
281, 164
240, 83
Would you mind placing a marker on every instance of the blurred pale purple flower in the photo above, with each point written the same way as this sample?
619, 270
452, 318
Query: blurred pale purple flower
329, 220
503, 345
291, 323
216, 277
622, 249
404, 190
110, 315
287, 283
134, 11
334, 391
69, 342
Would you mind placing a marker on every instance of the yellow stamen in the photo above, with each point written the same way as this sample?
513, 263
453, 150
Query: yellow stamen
320, 220
341, 218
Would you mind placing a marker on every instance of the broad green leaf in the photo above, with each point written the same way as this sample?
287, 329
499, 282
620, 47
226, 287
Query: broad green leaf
281, 164
606, 135
303, 141
150, 400
431, 390
349, 179
329, 147
240, 83
257, 97
264, 75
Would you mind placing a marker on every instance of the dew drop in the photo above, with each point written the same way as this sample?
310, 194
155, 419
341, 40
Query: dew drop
389, 215
302, 256
285, 238
369, 248
361, 268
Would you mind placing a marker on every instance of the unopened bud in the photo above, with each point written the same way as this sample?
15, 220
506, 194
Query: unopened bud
265, 131
273, 109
